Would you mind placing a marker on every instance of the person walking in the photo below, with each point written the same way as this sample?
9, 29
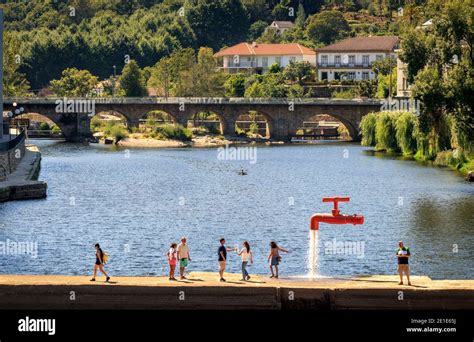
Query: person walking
172, 255
222, 258
183, 256
99, 262
274, 257
246, 255
403, 253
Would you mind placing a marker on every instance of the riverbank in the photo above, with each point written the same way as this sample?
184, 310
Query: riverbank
23, 184
204, 291
205, 141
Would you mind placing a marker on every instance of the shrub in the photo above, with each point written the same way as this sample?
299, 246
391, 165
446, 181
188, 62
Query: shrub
173, 131
55, 130
44, 126
118, 132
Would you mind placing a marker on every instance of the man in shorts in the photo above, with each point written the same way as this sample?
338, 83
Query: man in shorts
222, 257
403, 253
183, 256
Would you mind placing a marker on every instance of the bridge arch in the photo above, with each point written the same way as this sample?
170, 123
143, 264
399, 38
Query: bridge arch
213, 121
256, 122
31, 115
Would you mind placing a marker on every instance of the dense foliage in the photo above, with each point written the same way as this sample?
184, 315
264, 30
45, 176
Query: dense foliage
53, 35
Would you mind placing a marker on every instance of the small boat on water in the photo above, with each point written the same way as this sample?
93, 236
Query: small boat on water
242, 172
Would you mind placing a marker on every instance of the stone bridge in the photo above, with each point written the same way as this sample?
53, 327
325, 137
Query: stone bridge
283, 116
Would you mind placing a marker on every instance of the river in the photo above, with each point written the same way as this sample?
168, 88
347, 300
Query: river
135, 203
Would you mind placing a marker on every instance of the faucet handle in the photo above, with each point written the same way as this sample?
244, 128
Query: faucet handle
336, 200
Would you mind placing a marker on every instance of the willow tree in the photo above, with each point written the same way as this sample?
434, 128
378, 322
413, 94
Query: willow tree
385, 134
367, 127
405, 128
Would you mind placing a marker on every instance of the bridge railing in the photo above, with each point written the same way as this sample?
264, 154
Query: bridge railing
194, 100
12, 143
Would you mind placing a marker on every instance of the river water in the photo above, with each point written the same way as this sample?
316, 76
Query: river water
135, 203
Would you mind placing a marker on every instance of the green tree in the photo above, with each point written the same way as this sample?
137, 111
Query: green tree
299, 72
430, 90
161, 76
217, 22
14, 82
256, 30
74, 82
300, 16
235, 85
209, 80
131, 81
327, 26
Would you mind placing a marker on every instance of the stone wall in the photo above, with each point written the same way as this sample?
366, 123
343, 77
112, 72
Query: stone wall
10, 159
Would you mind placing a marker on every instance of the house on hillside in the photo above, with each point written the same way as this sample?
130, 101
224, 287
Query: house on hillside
352, 59
257, 58
281, 26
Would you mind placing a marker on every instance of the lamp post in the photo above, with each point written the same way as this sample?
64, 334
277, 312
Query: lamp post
113, 81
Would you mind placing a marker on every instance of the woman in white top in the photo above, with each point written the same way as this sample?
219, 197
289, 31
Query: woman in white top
246, 255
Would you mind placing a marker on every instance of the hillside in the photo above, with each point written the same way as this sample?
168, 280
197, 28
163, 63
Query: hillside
47, 37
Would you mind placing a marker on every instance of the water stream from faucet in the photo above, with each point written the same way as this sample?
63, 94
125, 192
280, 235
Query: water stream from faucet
313, 253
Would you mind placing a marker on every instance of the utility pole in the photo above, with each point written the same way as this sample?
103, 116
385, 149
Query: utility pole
1, 74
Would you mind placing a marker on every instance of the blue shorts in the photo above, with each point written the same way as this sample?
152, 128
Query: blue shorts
275, 260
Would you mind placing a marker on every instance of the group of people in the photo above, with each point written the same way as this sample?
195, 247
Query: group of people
179, 254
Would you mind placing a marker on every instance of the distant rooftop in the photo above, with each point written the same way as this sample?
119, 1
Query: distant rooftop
364, 44
282, 24
245, 49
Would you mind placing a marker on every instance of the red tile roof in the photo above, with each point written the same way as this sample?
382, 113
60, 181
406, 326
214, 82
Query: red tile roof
375, 43
246, 49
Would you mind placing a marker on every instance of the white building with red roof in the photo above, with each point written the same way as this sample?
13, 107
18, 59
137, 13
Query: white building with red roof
352, 58
257, 58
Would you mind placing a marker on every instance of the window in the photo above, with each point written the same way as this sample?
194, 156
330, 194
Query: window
324, 59
352, 59
293, 59
265, 62
365, 75
278, 61
365, 59
337, 59
324, 75
351, 75
378, 57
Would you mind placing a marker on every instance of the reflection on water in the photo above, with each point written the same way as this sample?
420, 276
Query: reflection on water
135, 204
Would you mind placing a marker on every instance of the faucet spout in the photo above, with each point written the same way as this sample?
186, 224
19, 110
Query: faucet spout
335, 217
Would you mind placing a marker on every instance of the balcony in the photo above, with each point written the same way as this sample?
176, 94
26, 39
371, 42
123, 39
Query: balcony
345, 65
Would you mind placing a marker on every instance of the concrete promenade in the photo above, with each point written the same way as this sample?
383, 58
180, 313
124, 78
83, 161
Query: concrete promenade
22, 183
204, 291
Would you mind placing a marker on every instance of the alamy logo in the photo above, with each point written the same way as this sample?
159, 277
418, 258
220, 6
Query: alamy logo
72, 106
396, 105
237, 153
17, 248
335, 247
28, 324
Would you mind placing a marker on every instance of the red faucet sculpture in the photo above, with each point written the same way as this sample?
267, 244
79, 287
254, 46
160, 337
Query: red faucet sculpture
335, 217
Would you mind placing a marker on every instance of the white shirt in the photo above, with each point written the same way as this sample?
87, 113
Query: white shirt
244, 254
183, 251
172, 254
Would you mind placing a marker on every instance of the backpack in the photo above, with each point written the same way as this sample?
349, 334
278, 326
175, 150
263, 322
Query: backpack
105, 258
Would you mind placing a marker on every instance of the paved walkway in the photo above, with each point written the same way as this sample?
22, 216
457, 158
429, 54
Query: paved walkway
21, 184
204, 291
